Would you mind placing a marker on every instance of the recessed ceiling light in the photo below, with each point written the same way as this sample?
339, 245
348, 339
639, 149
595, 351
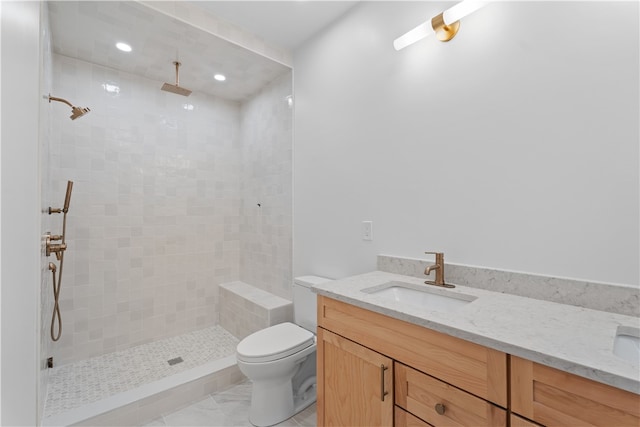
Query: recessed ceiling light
123, 47
220, 77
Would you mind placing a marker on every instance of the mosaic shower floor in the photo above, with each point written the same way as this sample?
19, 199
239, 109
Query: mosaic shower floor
77, 384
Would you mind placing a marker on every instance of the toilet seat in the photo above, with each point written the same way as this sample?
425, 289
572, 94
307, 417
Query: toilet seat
274, 342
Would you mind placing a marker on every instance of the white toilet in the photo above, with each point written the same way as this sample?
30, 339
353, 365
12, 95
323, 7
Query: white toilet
280, 360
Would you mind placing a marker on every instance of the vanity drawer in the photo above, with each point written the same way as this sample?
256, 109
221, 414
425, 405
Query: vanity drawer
555, 398
403, 418
472, 367
441, 404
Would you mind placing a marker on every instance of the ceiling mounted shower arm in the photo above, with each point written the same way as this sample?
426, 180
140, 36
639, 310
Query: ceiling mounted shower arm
176, 88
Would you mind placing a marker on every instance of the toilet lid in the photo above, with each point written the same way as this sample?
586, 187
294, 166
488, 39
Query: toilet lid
274, 342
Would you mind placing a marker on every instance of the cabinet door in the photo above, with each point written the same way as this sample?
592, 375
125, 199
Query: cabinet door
555, 398
355, 384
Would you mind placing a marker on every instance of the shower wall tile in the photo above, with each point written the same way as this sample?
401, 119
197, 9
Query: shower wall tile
266, 185
154, 222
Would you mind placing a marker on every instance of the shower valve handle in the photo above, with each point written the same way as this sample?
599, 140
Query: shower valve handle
54, 248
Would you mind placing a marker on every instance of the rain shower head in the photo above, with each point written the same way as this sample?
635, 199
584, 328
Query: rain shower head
75, 111
168, 87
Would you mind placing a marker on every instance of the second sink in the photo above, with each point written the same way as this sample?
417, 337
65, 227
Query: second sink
626, 344
420, 296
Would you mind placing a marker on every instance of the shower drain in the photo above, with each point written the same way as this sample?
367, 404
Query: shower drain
175, 361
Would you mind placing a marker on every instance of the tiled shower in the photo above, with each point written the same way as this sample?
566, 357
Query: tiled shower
172, 197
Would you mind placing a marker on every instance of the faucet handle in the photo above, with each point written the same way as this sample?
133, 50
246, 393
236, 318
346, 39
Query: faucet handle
434, 253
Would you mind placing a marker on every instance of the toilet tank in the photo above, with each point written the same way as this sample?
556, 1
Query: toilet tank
304, 301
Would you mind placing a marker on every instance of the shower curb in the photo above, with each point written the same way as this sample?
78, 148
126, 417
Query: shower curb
145, 403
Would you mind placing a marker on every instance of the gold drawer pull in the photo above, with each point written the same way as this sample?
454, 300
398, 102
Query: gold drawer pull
383, 393
440, 408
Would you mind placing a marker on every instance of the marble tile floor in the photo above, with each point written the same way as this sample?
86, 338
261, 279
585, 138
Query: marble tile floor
228, 408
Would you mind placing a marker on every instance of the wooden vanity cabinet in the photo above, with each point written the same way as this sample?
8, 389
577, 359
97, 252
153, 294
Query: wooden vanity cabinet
469, 376
438, 380
555, 398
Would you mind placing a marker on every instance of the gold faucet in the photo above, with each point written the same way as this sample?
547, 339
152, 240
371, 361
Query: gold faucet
439, 269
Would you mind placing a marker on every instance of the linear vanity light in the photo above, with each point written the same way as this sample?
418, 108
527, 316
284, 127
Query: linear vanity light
445, 25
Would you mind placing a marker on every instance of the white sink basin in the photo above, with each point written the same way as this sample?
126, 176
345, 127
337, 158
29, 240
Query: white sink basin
626, 344
420, 296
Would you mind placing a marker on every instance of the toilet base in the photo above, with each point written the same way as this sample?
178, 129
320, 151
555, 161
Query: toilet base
273, 403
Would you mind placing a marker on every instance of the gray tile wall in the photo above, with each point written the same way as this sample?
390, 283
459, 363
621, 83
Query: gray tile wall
266, 230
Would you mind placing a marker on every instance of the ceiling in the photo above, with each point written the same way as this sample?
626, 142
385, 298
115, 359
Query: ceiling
284, 23
88, 30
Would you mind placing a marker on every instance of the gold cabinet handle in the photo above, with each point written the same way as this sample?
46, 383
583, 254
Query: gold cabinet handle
383, 393
440, 408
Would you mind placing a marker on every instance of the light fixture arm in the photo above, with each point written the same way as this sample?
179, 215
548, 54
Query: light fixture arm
445, 25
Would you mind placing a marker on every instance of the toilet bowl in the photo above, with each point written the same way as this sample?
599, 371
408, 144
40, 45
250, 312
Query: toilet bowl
280, 361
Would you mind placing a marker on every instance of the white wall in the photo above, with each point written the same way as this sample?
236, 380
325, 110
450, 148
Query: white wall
514, 146
20, 211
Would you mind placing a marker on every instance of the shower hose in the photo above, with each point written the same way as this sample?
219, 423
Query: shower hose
55, 318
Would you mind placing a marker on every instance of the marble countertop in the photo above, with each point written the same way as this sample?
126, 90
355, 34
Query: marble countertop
569, 338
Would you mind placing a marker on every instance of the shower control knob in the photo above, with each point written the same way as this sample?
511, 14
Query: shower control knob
56, 248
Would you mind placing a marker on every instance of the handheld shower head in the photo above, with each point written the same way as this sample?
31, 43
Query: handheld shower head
67, 197
75, 111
